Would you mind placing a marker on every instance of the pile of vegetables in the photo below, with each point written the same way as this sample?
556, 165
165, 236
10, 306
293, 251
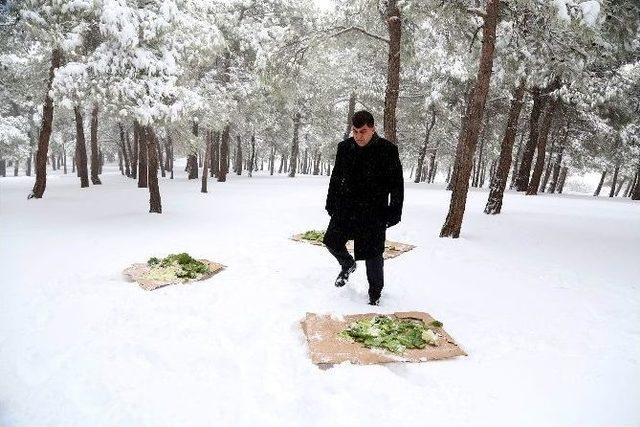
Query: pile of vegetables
314, 235
389, 333
181, 266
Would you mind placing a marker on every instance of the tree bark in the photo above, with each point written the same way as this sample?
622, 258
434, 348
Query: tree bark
624, 180
543, 134
558, 161
453, 222
563, 177
136, 151
81, 149
524, 168
548, 167
192, 158
207, 160
635, 193
272, 159
423, 149
149, 136
160, 160
516, 161
224, 154
95, 161
394, 26
294, 145
123, 148
143, 154
499, 180
599, 187
350, 111
253, 154
170, 154
461, 136
238, 158
45, 130
614, 180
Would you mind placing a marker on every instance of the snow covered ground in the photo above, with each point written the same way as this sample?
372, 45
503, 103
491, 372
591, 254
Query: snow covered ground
545, 298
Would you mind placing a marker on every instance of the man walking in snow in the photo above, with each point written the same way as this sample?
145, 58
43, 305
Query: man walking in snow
365, 197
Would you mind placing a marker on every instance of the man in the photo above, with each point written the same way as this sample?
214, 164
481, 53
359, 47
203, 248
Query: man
365, 197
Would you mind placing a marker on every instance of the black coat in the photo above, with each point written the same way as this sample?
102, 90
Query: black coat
365, 195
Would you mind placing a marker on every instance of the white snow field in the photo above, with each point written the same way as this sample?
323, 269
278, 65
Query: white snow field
545, 298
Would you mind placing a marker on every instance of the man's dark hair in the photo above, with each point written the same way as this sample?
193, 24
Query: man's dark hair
362, 118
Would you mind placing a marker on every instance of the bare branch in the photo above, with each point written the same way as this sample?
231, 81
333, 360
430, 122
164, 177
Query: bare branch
361, 30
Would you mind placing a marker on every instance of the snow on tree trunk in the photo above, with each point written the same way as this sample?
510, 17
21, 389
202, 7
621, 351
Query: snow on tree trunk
81, 149
563, 177
499, 179
294, 145
394, 26
557, 163
45, 130
149, 141
453, 222
272, 159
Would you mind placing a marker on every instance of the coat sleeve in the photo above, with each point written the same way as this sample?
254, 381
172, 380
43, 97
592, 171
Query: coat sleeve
334, 184
396, 188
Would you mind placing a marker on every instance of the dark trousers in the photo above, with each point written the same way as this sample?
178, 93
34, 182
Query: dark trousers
375, 269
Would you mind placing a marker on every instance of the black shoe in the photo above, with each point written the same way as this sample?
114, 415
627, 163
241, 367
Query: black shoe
342, 278
374, 301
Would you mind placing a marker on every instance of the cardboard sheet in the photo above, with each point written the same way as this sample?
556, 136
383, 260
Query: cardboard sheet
137, 272
326, 347
391, 249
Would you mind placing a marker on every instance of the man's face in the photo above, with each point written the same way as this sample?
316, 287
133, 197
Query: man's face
362, 135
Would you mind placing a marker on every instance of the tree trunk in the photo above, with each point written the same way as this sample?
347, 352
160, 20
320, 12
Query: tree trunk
224, 154
123, 148
516, 162
170, 153
461, 136
143, 154
159, 154
563, 177
619, 187
45, 130
192, 158
136, 151
253, 154
394, 26
238, 158
630, 184
543, 134
215, 155
207, 160
524, 169
614, 180
423, 149
635, 193
64, 159
599, 187
499, 179
350, 111
453, 223
150, 141
558, 161
120, 161
95, 165
294, 145
81, 149
548, 167
272, 159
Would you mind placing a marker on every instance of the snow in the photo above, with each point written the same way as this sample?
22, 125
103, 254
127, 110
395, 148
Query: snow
590, 11
545, 298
